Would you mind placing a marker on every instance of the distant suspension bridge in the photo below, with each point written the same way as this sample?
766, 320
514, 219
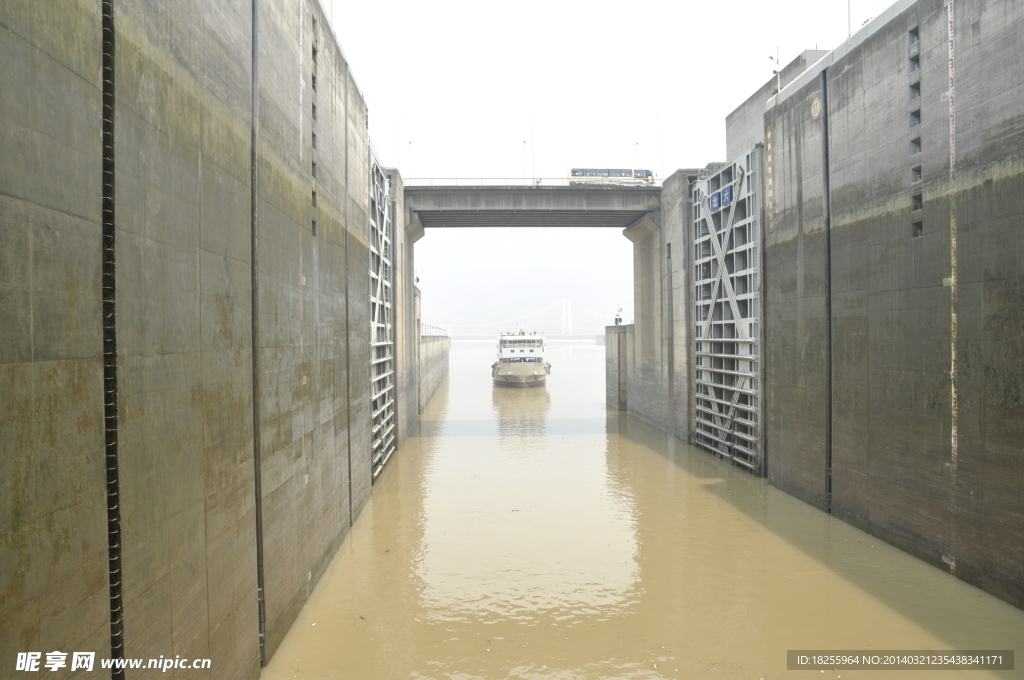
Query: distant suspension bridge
565, 303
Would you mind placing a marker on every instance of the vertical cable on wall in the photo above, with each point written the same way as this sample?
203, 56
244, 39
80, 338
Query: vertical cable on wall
110, 342
348, 318
313, 124
670, 420
254, 254
826, 204
950, 558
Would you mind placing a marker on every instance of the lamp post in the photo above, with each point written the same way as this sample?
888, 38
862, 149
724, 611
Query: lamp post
777, 72
634, 159
661, 125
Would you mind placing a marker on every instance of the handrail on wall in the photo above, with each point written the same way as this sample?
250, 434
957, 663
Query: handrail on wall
427, 330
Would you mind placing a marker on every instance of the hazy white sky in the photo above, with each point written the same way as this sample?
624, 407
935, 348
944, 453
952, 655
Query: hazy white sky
525, 274
454, 89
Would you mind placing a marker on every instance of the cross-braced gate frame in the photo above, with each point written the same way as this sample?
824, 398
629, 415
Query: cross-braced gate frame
727, 308
382, 338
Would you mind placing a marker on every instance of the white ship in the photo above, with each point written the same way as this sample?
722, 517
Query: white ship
520, 360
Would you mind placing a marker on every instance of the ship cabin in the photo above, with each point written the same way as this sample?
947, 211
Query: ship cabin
520, 348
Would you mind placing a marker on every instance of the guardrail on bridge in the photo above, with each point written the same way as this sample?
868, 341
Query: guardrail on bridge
527, 181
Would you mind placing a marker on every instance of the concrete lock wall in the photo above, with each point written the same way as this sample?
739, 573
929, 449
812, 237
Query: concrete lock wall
858, 281
795, 313
887, 284
430, 352
313, 304
184, 377
433, 365
203, 274
53, 518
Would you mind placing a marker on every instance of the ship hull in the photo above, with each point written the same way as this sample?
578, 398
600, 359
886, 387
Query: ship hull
520, 375
519, 380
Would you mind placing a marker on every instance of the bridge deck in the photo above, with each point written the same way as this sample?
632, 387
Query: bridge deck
501, 206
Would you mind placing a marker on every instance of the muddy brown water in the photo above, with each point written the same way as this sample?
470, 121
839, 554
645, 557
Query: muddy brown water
536, 534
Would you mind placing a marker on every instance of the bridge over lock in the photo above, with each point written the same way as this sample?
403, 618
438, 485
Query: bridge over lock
529, 206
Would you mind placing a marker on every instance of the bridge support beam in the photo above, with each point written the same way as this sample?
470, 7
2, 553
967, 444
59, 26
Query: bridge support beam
641, 229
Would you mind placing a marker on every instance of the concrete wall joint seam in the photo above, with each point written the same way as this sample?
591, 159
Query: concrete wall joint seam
261, 598
109, 324
348, 310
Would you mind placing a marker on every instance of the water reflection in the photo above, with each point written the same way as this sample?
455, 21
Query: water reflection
521, 412
537, 535
482, 559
